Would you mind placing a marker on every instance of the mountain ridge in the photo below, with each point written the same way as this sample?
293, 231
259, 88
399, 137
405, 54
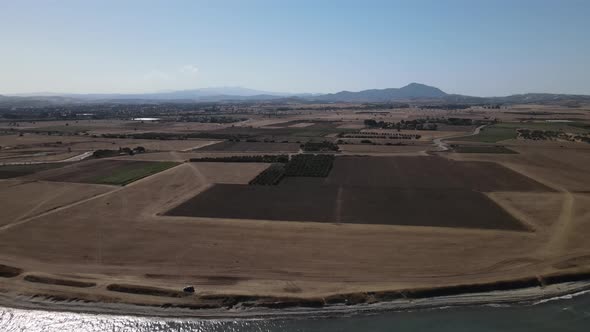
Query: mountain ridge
410, 91
416, 92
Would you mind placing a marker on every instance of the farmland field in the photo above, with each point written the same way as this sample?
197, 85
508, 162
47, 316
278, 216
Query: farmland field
251, 146
251, 220
317, 129
12, 171
428, 173
482, 149
294, 124
31, 198
270, 176
129, 173
382, 149
309, 165
507, 130
113, 172
252, 202
347, 204
412, 191
571, 127
492, 134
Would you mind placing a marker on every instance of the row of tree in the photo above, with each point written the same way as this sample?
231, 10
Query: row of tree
270, 176
324, 146
104, 153
383, 135
176, 136
281, 158
310, 165
405, 125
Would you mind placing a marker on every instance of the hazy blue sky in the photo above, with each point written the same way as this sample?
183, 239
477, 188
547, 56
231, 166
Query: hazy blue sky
470, 47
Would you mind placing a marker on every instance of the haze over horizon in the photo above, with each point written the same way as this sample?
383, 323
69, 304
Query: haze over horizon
480, 49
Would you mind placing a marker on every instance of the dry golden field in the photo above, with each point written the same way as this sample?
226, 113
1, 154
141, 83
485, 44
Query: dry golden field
110, 236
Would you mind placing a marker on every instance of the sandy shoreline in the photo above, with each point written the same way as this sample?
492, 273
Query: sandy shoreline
525, 296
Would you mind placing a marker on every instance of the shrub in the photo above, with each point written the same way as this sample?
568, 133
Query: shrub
309, 165
281, 158
105, 153
320, 146
270, 176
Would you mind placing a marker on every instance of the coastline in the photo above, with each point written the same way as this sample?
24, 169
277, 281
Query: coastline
524, 296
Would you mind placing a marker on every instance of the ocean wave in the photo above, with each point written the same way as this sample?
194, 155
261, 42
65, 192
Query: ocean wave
562, 297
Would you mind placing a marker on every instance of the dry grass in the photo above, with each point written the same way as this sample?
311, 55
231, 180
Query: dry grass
368, 149
9, 271
145, 290
128, 240
58, 281
23, 199
120, 237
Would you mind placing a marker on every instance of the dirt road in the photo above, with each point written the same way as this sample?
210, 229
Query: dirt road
444, 147
79, 157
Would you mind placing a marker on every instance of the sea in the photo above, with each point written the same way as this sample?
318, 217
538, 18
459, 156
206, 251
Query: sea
567, 313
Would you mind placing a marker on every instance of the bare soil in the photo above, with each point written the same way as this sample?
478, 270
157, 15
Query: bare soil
428, 173
251, 147
90, 171
416, 191
346, 204
56, 281
13, 171
28, 198
120, 235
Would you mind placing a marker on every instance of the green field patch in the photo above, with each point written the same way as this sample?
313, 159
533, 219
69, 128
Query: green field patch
126, 174
317, 129
370, 190
301, 165
482, 149
308, 165
503, 131
71, 129
492, 134
13, 171
568, 127
278, 158
270, 176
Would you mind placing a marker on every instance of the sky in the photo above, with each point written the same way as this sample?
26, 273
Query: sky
472, 47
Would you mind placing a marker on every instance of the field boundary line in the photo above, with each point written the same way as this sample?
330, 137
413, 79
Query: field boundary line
562, 227
515, 168
57, 209
78, 157
327, 225
181, 199
522, 218
191, 149
32, 211
439, 142
63, 207
338, 205
162, 210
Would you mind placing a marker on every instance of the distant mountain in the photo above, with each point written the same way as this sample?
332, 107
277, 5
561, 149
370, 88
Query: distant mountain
410, 91
528, 98
13, 101
195, 94
414, 92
